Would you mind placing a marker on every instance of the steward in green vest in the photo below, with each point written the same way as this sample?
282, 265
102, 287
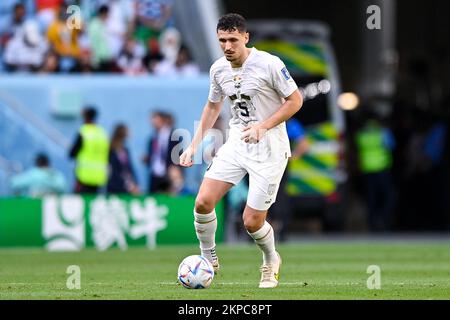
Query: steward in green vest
91, 151
375, 144
374, 155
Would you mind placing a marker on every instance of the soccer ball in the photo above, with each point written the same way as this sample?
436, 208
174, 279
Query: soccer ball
195, 272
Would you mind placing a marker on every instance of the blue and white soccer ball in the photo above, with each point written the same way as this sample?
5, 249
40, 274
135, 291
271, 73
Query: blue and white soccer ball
195, 272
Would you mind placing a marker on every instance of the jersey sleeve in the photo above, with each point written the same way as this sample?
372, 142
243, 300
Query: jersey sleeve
281, 79
215, 92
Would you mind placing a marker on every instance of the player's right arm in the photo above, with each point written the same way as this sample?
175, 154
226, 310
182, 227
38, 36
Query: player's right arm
209, 117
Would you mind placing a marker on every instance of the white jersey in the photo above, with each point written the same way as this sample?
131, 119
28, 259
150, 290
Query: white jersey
256, 91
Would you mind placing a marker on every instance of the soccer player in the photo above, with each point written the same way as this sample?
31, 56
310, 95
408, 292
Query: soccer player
263, 96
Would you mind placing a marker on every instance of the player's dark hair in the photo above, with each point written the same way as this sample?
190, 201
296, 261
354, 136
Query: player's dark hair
231, 22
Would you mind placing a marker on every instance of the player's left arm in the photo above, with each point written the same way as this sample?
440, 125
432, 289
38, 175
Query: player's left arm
292, 104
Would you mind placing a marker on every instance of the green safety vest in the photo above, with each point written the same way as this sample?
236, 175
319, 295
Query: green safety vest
373, 154
92, 160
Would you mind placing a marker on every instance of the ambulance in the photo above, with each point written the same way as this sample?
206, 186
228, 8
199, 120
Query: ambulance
316, 181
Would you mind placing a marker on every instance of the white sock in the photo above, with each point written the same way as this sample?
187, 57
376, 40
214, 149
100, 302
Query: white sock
205, 228
265, 240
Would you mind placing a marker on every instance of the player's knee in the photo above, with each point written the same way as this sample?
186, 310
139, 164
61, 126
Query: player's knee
252, 224
204, 205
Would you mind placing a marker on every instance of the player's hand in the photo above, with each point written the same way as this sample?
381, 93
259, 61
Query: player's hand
186, 157
253, 133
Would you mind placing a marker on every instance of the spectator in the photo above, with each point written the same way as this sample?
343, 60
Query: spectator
90, 150
182, 66
434, 141
412, 166
40, 180
51, 63
153, 57
26, 50
130, 60
152, 16
64, 41
170, 44
11, 13
119, 24
47, 10
165, 48
17, 22
375, 143
84, 63
122, 178
281, 211
102, 57
434, 149
158, 157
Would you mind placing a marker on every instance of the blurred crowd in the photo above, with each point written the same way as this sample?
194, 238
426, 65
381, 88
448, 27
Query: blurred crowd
103, 163
134, 37
422, 167
399, 164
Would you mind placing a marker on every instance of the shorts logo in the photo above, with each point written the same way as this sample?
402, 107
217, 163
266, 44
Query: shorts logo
268, 201
285, 73
271, 189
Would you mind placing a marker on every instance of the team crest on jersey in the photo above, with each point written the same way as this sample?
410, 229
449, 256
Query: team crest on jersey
285, 73
237, 81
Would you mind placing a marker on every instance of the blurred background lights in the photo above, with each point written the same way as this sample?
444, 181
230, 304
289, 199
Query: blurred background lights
348, 101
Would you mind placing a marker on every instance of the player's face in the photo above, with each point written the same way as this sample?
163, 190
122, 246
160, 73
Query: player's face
233, 44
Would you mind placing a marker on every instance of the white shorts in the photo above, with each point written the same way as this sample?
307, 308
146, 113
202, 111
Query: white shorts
264, 177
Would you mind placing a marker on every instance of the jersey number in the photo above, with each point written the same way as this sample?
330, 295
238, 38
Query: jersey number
243, 107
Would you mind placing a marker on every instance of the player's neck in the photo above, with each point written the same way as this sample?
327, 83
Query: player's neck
238, 64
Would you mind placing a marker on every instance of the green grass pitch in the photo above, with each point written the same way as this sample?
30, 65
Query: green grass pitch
311, 270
